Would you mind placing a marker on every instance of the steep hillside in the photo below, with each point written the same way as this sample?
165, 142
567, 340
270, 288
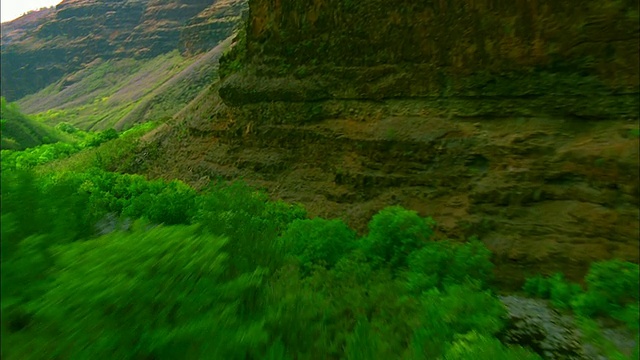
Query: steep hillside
516, 121
121, 93
20, 132
23, 26
80, 31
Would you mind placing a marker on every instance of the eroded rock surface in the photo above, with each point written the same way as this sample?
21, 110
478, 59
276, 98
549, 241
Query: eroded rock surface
510, 120
533, 324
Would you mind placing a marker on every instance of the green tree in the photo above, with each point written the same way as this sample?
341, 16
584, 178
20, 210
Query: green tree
318, 241
394, 233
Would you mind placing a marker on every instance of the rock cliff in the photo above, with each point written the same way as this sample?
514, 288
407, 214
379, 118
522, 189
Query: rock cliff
512, 120
212, 25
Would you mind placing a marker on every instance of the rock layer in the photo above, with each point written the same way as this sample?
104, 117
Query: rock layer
211, 26
544, 194
512, 120
565, 55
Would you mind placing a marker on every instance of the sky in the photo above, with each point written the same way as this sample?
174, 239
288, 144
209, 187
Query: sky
11, 9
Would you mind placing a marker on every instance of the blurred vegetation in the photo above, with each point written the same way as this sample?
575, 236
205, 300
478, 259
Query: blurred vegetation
100, 264
611, 291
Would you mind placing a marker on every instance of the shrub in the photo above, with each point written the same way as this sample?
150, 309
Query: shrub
318, 241
249, 220
443, 263
394, 233
611, 286
160, 293
66, 127
612, 289
537, 286
456, 310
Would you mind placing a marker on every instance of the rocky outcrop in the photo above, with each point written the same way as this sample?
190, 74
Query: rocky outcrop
77, 33
545, 194
159, 28
211, 26
564, 55
534, 325
515, 121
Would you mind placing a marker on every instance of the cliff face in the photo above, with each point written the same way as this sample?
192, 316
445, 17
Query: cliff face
574, 58
513, 120
160, 25
211, 26
79, 31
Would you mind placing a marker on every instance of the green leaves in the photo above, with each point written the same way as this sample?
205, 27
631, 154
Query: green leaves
442, 263
477, 346
394, 233
317, 241
144, 292
611, 286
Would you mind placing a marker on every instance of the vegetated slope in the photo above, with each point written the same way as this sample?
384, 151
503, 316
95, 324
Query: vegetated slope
81, 31
525, 133
21, 27
20, 132
120, 93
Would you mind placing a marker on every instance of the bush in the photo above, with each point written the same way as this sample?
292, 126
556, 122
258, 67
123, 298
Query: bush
456, 310
102, 137
249, 220
612, 289
443, 263
318, 241
394, 233
66, 127
162, 293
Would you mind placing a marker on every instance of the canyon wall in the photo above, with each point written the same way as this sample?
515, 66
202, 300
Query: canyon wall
513, 120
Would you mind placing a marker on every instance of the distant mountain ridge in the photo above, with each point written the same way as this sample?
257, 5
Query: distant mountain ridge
40, 48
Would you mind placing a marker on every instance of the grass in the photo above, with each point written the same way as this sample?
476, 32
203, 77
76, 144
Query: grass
20, 131
101, 95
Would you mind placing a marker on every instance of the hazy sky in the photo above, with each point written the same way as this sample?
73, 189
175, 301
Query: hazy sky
12, 9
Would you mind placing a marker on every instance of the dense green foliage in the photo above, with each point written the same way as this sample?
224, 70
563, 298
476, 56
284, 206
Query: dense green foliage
224, 274
318, 241
44, 154
612, 290
394, 233
19, 131
98, 264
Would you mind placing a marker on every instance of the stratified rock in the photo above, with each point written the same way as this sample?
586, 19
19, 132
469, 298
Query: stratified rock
159, 28
211, 26
77, 33
567, 62
512, 120
17, 29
